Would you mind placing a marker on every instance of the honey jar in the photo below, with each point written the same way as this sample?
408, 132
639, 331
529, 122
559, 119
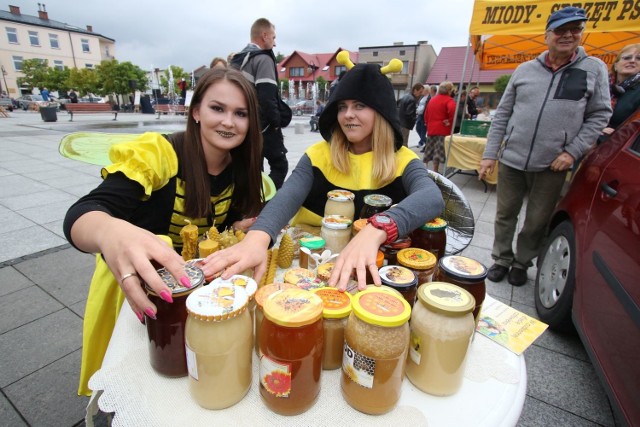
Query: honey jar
336, 309
291, 342
401, 279
314, 245
373, 204
390, 251
375, 351
166, 331
467, 273
219, 343
431, 237
261, 296
420, 261
340, 202
336, 232
441, 329
249, 285
358, 225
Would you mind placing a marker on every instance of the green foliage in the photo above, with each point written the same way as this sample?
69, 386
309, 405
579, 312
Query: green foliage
35, 73
178, 73
322, 84
279, 57
501, 83
114, 77
84, 81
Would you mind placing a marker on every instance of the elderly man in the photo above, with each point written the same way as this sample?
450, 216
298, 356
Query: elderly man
551, 113
407, 111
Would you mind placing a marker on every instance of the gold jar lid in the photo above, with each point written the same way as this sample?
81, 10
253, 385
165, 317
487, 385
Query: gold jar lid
359, 224
336, 304
267, 290
416, 258
214, 303
341, 195
249, 285
446, 298
293, 308
295, 275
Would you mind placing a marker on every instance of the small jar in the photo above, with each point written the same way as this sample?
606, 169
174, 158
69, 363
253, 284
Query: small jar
431, 237
166, 331
441, 329
375, 351
401, 279
291, 341
340, 202
390, 250
358, 225
315, 245
336, 232
467, 273
373, 204
250, 286
336, 310
420, 261
219, 341
261, 296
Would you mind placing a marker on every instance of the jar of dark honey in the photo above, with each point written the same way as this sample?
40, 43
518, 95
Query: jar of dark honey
467, 273
420, 261
291, 342
432, 237
166, 331
390, 251
373, 204
401, 279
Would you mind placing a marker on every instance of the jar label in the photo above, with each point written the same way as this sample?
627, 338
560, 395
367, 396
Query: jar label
192, 365
358, 367
275, 376
415, 348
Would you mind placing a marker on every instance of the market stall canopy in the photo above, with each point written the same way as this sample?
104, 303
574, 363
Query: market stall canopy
505, 33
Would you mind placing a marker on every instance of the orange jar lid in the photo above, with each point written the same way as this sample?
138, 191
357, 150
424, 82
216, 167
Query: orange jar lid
268, 290
381, 308
416, 258
379, 259
337, 305
293, 308
359, 224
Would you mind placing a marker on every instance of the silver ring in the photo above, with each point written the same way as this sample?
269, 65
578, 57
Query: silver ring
126, 276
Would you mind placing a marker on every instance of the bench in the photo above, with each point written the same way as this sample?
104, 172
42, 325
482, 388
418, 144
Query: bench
89, 108
170, 109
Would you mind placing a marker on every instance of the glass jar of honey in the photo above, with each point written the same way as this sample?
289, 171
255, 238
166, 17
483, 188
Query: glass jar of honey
340, 202
390, 250
219, 343
250, 286
166, 331
336, 309
441, 329
291, 342
420, 261
375, 351
467, 273
373, 204
401, 279
314, 245
431, 237
336, 232
261, 296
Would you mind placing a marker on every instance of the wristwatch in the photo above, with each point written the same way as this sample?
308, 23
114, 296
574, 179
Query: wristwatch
387, 224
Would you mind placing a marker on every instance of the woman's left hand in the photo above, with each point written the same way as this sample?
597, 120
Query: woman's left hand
359, 255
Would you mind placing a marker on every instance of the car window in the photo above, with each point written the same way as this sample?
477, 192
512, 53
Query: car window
635, 147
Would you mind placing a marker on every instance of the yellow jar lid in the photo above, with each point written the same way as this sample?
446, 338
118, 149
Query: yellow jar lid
218, 302
435, 224
446, 298
381, 307
341, 195
416, 258
359, 224
336, 304
245, 282
295, 275
293, 307
264, 292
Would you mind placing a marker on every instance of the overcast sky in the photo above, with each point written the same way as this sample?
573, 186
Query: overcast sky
189, 33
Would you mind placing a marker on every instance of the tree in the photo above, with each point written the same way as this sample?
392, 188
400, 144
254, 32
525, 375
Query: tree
114, 77
279, 58
58, 79
178, 73
322, 85
501, 83
84, 80
35, 73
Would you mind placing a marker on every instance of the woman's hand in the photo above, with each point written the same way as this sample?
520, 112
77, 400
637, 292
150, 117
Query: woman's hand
129, 251
359, 255
250, 252
244, 224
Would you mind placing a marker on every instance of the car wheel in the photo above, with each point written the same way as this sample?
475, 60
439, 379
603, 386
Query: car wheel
555, 281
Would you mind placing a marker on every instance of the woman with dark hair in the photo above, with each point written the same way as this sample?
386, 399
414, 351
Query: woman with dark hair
363, 153
209, 174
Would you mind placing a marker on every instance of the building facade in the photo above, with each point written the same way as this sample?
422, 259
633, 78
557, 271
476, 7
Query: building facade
38, 37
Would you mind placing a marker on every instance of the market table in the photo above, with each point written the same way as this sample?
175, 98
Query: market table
492, 394
464, 153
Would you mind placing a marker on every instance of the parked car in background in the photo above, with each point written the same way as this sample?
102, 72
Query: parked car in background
303, 107
26, 102
92, 98
589, 266
6, 103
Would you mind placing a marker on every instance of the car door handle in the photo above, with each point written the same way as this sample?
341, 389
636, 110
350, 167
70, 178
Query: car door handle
608, 190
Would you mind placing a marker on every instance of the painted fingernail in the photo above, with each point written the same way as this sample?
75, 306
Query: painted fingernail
149, 312
140, 317
166, 295
185, 281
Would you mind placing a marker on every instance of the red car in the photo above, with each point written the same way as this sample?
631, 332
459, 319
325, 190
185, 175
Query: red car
589, 267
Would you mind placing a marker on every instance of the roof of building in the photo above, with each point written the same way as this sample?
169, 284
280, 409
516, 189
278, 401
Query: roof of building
320, 60
449, 64
47, 23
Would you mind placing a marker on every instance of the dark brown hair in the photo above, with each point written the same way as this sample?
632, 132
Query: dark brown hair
246, 159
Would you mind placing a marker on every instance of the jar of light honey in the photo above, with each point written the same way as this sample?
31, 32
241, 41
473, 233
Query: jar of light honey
340, 202
336, 232
336, 310
467, 273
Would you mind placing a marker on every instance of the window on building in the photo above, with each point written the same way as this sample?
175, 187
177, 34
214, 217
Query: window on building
106, 51
33, 38
296, 72
340, 69
17, 63
89, 66
375, 53
58, 65
402, 53
53, 41
405, 67
12, 35
85, 45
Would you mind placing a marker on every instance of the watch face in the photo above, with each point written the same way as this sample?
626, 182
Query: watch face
382, 219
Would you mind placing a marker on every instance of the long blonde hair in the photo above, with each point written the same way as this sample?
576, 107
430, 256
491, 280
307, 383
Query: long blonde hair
382, 145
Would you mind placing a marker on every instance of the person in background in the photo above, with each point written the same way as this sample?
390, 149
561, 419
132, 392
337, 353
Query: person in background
625, 86
438, 116
567, 93
208, 174
421, 128
462, 113
407, 111
218, 62
362, 153
313, 122
472, 106
73, 96
45, 94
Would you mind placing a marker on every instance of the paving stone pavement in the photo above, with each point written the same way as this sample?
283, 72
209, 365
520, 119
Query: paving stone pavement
44, 281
